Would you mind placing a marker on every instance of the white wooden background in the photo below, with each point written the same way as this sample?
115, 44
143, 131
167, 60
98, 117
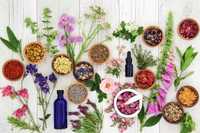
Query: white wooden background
142, 12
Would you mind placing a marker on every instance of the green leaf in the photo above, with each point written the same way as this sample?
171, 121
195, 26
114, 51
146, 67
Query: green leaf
97, 78
13, 39
9, 45
187, 124
47, 116
90, 83
152, 120
179, 52
142, 114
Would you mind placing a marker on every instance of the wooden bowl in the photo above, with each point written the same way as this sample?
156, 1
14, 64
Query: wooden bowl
193, 90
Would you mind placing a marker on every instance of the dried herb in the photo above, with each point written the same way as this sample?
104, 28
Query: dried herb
186, 60
167, 46
47, 32
94, 85
128, 31
13, 43
143, 57
187, 124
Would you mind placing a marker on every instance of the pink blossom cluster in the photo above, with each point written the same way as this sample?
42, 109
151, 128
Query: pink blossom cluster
19, 113
156, 107
67, 24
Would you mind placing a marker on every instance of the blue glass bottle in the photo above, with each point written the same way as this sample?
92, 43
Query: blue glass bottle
60, 111
129, 65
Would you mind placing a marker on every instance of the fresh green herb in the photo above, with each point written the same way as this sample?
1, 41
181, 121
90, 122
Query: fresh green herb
13, 43
142, 115
114, 71
47, 32
21, 124
94, 85
128, 31
95, 18
167, 46
187, 124
186, 60
143, 57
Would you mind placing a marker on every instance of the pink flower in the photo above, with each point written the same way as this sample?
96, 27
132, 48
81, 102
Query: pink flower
7, 91
62, 40
66, 21
114, 63
19, 113
23, 93
153, 108
108, 85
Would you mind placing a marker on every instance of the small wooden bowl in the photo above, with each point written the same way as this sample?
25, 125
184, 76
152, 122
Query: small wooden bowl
42, 48
54, 59
152, 27
173, 121
136, 82
77, 65
192, 89
94, 49
4, 67
178, 29
70, 97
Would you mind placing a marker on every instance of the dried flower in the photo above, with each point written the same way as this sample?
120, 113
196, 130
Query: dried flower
7, 91
23, 93
108, 85
83, 109
74, 113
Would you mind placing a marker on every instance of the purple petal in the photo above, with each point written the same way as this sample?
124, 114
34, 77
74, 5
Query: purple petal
62, 40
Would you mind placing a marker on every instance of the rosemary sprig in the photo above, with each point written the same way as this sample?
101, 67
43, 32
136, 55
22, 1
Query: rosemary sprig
143, 57
167, 46
21, 124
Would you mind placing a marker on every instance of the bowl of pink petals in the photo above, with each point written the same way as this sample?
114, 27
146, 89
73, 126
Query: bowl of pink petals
128, 103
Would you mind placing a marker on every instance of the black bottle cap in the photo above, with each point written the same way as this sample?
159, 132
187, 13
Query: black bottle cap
60, 92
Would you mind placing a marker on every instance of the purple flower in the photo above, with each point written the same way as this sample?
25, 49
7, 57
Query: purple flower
31, 69
161, 102
62, 40
74, 39
41, 81
153, 108
66, 20
52, 78
83, 109
69, 28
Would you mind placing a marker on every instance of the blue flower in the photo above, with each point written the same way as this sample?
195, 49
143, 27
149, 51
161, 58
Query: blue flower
31, 69
52, 78
41, 81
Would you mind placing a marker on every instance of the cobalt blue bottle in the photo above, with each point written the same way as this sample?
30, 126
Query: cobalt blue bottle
60, 111
129, 65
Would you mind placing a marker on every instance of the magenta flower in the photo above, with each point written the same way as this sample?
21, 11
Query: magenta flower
74, 39
19, 113
7, 91
23, 93
62, 40
153, 108
69, 28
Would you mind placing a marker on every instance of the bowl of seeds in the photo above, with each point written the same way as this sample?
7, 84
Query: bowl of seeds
83, 71
77, 93
173, 112
187, 96
153, 36
34, 52
61, 64
99, 53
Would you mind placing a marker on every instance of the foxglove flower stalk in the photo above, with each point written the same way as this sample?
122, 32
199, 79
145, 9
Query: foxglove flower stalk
155, 107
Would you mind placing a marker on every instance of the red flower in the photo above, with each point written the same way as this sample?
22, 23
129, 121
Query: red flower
7, 91
19, 113
23, 93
